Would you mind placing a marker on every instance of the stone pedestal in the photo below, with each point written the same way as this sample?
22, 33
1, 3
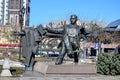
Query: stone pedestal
6, 67
65, 69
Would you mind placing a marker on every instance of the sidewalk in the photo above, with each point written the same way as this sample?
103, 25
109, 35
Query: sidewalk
38, 76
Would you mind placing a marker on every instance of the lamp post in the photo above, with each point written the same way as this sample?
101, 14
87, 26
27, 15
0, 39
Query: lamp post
21, 16
21, 19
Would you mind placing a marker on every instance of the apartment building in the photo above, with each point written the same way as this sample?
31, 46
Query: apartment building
4, 11
26, 4
9, 11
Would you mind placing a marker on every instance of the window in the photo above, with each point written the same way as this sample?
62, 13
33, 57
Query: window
17, 7
16, 19
12, 1
11, 7
11, 20
11, 4
28, 9
6, 14
17, 2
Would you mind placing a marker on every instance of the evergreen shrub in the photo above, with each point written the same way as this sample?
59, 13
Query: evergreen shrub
108, 64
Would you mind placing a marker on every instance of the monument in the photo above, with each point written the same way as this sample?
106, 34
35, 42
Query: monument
70, 44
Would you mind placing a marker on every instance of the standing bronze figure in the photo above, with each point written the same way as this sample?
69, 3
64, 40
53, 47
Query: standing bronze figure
30, 42
70, 40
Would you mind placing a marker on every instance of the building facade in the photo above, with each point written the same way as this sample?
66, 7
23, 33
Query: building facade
14, 7
9, 11
26, 4
4, 11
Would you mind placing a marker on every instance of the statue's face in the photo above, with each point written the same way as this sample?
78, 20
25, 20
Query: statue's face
73, 19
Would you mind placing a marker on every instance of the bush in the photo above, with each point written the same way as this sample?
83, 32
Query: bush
17, 71
108, 64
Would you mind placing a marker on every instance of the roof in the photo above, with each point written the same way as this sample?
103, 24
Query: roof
113, 26
91, 45
114, 23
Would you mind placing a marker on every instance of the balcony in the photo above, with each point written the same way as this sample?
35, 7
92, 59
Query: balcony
2, 2
7, 1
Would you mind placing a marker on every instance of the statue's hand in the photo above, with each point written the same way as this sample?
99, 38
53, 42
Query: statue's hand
36, 50
44, 31
15, 33
46, 28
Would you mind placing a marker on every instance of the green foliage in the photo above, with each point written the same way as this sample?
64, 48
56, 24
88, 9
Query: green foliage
17, 71
108, 64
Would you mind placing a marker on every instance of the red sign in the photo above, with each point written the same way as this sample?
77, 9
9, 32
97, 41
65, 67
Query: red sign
10, 44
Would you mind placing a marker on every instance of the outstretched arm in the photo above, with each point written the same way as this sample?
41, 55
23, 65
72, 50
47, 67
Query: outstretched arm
59, 30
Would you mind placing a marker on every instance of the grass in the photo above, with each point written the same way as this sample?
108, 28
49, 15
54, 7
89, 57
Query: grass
1, 57
16, 58
15, 71
45, 59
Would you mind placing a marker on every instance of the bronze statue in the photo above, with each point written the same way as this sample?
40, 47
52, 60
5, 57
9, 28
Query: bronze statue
31, 39
70, 39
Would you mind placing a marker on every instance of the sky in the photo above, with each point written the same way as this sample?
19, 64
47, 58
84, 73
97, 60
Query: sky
44, 11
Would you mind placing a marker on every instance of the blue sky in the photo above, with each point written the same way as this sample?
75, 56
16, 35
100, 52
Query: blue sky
44, 11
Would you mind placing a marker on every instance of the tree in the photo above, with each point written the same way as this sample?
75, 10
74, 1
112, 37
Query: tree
6, 33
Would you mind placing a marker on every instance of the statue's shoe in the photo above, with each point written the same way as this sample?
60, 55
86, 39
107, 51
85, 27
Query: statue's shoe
58, 63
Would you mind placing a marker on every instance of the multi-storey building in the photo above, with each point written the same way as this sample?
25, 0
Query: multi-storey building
26, 4
4, 11
9, 11
1, 9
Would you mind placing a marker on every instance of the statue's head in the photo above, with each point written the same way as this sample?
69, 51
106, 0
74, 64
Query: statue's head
73, 19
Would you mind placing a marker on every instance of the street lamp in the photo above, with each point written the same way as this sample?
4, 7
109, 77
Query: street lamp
21, 19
